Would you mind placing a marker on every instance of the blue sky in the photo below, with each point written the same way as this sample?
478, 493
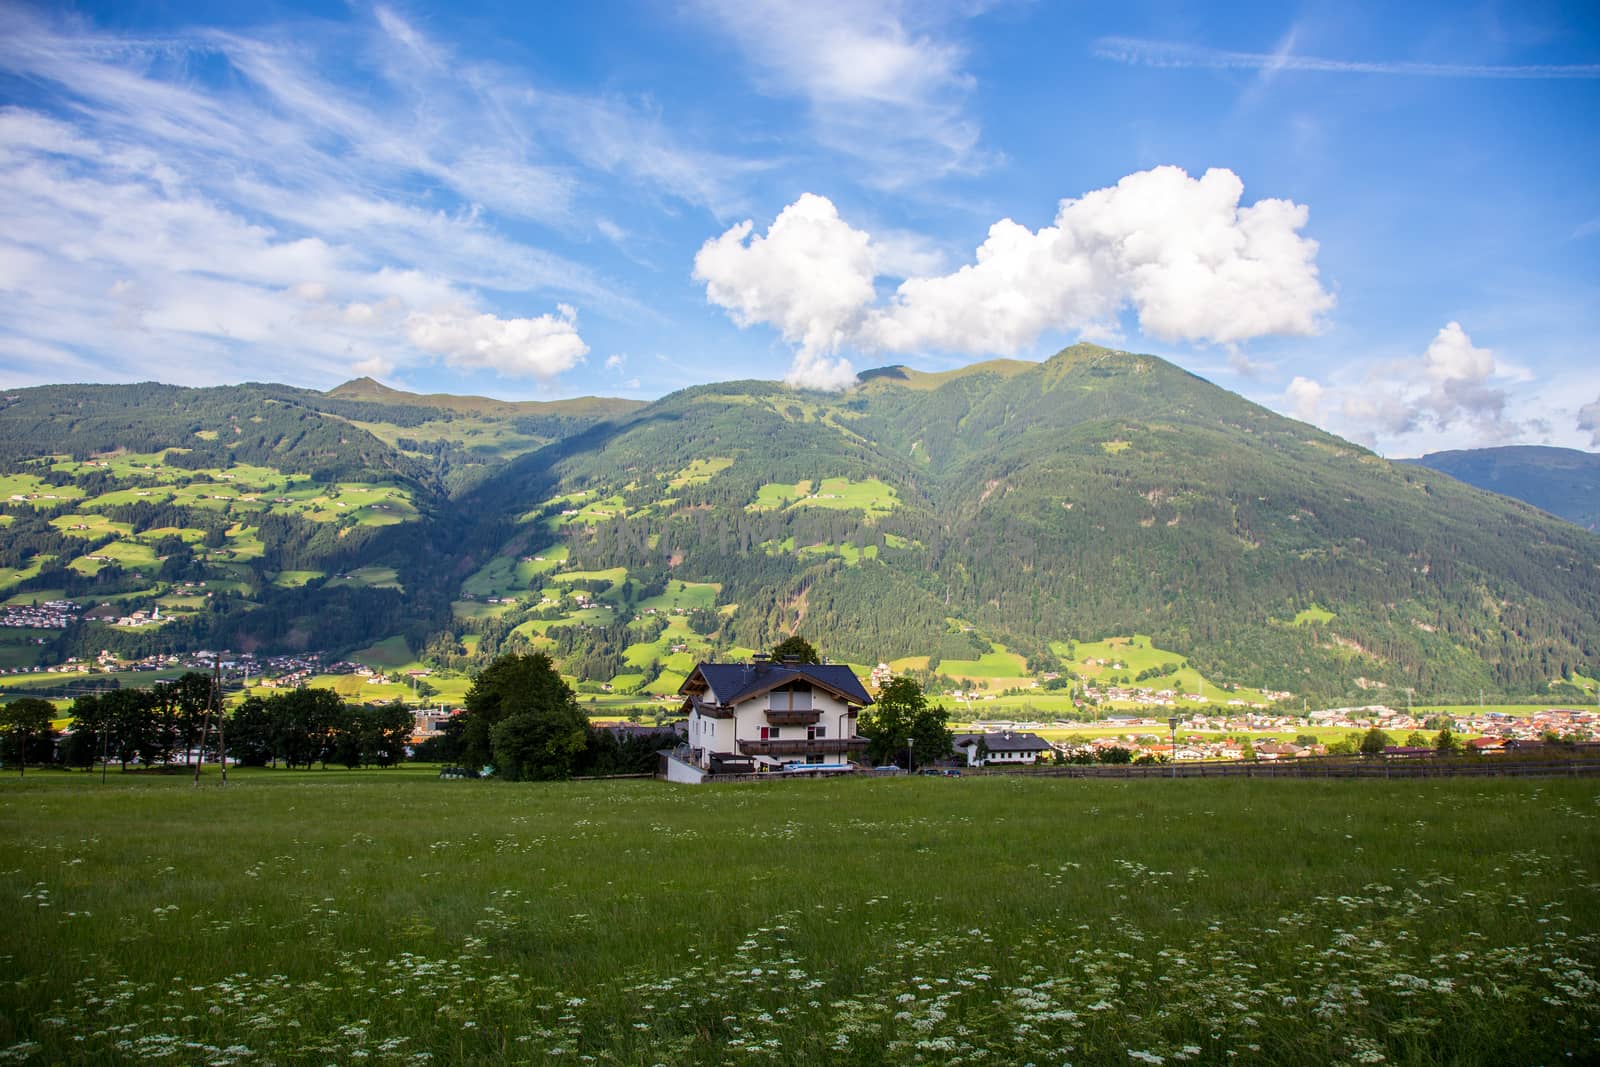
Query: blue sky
1384, 219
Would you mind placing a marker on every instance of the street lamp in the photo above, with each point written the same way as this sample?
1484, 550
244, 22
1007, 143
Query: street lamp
1172, 724
911, 759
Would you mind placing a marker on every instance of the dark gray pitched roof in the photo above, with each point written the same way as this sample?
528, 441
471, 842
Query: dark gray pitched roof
732, 682
1005, 742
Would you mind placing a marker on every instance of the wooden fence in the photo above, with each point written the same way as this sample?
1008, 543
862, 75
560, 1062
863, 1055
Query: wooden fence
1479, 767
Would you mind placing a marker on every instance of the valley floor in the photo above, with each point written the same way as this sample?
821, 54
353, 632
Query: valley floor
391, 917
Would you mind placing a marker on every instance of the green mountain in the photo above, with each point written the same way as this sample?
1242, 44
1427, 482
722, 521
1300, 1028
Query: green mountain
1031, 505
1562, 481
992, 526
253, 516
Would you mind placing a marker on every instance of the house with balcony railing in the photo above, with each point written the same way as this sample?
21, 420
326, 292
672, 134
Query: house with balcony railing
744, 718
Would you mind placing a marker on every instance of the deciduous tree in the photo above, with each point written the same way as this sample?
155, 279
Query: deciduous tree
797, 648
25, 721
524, 719
1374, 741
901, 714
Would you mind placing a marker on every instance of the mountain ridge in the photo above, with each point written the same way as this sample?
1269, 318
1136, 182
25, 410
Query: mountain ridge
370, 389
998, 514
1562, 481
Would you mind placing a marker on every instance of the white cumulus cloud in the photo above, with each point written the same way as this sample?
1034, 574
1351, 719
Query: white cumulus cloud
1458, 376
541, 347
810, 276
1192, 263
1305, 399
1181, 252
1453, 386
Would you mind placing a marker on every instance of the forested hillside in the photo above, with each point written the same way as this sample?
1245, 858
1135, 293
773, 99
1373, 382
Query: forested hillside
990, 527
1099, 493
256, 516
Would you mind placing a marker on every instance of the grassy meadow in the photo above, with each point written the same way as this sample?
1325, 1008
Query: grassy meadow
389, 917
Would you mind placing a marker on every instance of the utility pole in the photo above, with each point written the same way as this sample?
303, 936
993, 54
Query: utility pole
213, 707
205, 724
222, 735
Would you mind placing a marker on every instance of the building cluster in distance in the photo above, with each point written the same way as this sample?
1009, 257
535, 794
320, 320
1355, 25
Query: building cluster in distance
51, 615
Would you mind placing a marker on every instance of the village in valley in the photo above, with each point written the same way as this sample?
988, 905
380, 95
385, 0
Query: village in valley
1110, 723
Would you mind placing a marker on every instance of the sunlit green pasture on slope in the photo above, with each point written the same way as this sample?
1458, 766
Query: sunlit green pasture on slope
872, 497
313, 917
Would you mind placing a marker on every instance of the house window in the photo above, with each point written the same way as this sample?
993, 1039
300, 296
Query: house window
770, 733
813, 757
796, 697
814, 732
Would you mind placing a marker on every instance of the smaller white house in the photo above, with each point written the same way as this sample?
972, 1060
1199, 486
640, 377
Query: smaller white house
1000, 748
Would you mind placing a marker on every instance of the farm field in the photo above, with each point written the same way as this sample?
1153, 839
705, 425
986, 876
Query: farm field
388, 915
1062, 730
1102, 662
872, 497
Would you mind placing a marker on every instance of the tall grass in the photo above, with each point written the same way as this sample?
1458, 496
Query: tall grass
390, 917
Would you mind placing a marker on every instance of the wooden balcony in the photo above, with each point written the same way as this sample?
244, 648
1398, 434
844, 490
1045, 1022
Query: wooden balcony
707, 708
793, 716
800, 746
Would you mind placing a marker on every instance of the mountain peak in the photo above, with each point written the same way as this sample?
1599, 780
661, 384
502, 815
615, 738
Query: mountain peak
898, 374
363, 388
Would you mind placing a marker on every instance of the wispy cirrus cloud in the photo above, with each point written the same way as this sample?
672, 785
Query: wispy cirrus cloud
1138, 51
884, 82
167, 204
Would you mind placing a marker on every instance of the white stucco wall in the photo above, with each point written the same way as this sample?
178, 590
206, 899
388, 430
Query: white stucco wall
709, 734
832, 714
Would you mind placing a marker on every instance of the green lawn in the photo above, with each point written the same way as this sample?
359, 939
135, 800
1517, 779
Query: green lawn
18, 647
34, 596
1314, 614
35, 491
90, 525
995, 664
684, 595
390, 652
374, 577
1128, 657
131, 555
315, 917
872, 496
614, 575
1473, 710
847, 551
10, 576
700, 471
295, 579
